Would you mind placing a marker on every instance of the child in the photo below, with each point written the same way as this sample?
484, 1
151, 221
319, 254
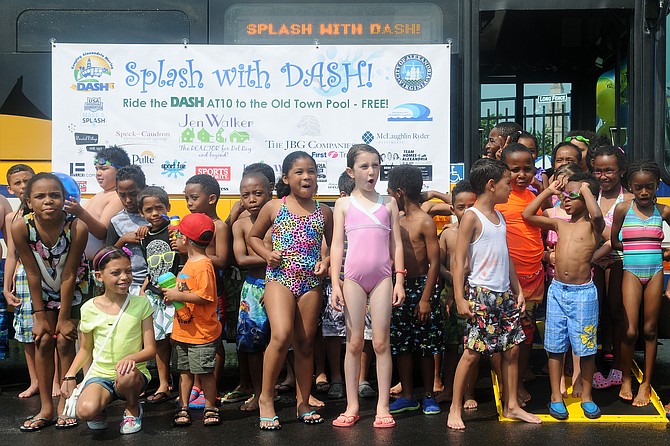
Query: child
15, 287
494, 298
123, 226
416, 325
565, 153
253, 328
372, 231
500, 136
528, 140
56, 281
293, 288
202, 193
120, 369
572, 299
582, 139
153, 204
99, 210
198, 331
640, 222
525, 246
463, 197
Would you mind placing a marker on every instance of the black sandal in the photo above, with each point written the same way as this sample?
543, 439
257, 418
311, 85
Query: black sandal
181, 413
211, 416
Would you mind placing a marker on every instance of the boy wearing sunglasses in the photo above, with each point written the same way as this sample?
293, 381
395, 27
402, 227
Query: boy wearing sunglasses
572, 299
153, 204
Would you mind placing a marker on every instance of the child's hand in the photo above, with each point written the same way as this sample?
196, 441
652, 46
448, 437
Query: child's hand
562, 181
464, 309
337, 299
555, 187
584, 187
129, 237
521, 303
398, 294
667, 293
73, 207
67, 388
537, 184
67, 329
12, 299
142, 232
321, 269
422, 311
41, 328
171, 295
125, 366
274, 259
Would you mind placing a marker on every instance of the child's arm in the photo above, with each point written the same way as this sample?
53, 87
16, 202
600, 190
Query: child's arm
602, 251
79, 238
127, 238
127, 364
466, 231
597, 220
244, 258
430, 194
617, 221
516, 287
429, 231
10, 264
530, 213
337, 253
398, 254
83, 356
218, 250
97, 227
431, 208
445, 274
321, 268
5, 210
257, 233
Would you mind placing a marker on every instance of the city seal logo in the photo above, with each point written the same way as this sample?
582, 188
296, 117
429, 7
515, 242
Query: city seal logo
90, 71
413, 72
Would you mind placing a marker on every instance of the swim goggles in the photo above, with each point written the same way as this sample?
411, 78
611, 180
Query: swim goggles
571, 195
104, 161
578, 138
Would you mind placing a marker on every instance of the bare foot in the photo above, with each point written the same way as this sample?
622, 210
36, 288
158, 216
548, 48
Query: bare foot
315, 402
267, 414
397, 389
443, 396
643, 395
626, 392
470, 404
522, 415
437, 385
454, 421
577, 387
522, 395
250, 405
30, 391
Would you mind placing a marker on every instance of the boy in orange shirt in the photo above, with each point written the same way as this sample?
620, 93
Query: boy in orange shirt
525, 246
197, 331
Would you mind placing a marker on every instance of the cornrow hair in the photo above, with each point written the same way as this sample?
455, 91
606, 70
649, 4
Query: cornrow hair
648, 166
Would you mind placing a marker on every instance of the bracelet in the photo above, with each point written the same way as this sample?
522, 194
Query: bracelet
401, 271
69, 378
36, 311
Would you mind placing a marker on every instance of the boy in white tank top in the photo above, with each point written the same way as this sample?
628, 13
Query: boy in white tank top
491, 297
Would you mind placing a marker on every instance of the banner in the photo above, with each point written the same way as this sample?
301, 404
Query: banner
181, 110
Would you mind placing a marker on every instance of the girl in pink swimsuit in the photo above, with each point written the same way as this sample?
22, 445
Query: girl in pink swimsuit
370, 223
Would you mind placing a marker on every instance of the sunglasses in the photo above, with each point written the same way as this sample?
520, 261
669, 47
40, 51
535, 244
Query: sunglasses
105, 162
156, 259
571, 195
578, 138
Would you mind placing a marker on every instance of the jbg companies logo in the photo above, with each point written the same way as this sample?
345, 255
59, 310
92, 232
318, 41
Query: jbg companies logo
90, 71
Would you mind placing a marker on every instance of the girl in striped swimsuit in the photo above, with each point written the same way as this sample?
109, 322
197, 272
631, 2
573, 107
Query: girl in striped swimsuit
640, 222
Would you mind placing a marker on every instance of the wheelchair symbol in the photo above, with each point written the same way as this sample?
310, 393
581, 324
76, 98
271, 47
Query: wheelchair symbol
457, 172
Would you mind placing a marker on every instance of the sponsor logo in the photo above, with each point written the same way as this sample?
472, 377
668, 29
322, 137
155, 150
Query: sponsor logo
92, 113
389, 157
93, 104
77, 169
321, 172
368, 136
173, 169
221, 173
413, 72
410, 112
426, 171
412, 155
145, 158
82, 186
330, 154
83, 139
90, 71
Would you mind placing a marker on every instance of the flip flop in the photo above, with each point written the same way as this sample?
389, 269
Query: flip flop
43, 422
345, 420
158, 397
269, 427
235, 396
66, 425
303, 418
382, 422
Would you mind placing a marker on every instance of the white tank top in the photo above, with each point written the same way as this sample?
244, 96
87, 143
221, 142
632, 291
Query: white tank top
489, 256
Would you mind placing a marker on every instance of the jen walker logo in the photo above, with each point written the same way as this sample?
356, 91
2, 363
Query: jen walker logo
413, 72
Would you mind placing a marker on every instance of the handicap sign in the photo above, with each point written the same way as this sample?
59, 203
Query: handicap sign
457, 172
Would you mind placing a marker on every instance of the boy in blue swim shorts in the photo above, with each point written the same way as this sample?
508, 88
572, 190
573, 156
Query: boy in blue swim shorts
572, 299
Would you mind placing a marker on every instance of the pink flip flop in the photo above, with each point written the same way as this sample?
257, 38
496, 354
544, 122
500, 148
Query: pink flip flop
345, 420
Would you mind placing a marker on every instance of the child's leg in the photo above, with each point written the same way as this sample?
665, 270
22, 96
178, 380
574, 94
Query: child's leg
29, 350
245, 385
208, 381
463, 371
615, 303
555, 374
427, 366
334, 355
65, 350
355, 299
305, 321
163, 351
450, 359
280, 306
255, 361
437, 373
380, 312
92, 400
55, 393
652, 308
632, 297
366, 359
587, 365
578, 376
185, 386
320, 359
510, 375
129, 386
44, 366
405, 363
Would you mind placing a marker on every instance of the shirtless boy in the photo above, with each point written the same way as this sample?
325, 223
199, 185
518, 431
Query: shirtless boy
572, 299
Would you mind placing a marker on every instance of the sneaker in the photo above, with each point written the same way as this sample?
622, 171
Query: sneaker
131, 424
404, 405
198, 403
99, 422
430, 406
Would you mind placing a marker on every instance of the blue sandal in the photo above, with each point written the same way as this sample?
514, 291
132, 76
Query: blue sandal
269, 427
591, 410
558, 410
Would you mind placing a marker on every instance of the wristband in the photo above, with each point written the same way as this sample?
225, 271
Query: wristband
401, 271
69, 378
36, 311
